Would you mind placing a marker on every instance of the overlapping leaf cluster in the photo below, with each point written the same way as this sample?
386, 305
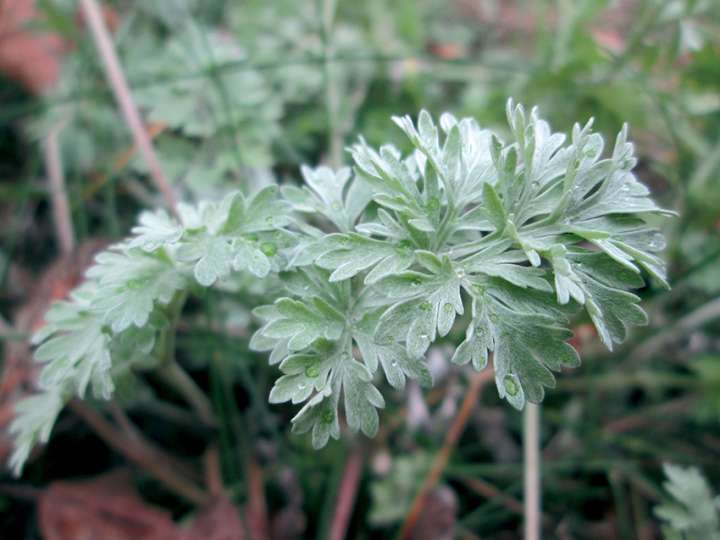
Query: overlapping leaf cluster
119, 318
499, 239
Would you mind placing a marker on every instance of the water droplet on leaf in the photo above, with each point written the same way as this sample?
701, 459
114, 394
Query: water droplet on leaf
312, 371
405, 244
327, 417
511, 386
268, 248
426, 306
135, 284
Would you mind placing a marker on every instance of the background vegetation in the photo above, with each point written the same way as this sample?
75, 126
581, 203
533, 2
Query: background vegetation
239, 93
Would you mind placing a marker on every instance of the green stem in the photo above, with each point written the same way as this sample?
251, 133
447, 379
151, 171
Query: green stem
184, 384
173, 374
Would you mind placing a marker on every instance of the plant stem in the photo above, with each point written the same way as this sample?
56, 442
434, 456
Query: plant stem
154, 465
60, 206
348, 491
120, 88
256, 512
477, 381
179, 379
173, 374
531, 481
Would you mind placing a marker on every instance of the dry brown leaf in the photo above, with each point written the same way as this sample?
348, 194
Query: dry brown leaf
437, 521
104, 508
29, 57
32, 57
219, 520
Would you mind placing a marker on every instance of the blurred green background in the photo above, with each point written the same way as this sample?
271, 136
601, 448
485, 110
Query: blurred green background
237, 93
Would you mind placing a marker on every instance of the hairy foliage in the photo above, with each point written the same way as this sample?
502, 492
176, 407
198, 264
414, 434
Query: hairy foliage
500, 239
693, 512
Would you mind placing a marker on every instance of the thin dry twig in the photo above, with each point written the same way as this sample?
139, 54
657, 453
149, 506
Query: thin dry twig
122, 160
256, 514
669, 409
56, 179
704, 314
213, 474
157, 466
477, 381
531, 483
24, 492
120, 88
489, 491
348, 491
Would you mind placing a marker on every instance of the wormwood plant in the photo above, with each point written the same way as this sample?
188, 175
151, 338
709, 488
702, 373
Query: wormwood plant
692, 512
378, 262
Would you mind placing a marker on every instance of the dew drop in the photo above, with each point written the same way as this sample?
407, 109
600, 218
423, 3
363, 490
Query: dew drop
312, 371
511, 387
448, 308
494, 318
460, 273
301, 386
426, 306
327, 417
336, 206
134, 284
394, 363
433, 204
269, 220
424, 337
268, 248
252, 237
415, 282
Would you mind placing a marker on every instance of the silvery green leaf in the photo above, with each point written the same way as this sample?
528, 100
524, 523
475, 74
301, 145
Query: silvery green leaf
691, 511
527, 347
155, 230
131, 283
35, 417
212, 257
301, 324
355, 253
612, 309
